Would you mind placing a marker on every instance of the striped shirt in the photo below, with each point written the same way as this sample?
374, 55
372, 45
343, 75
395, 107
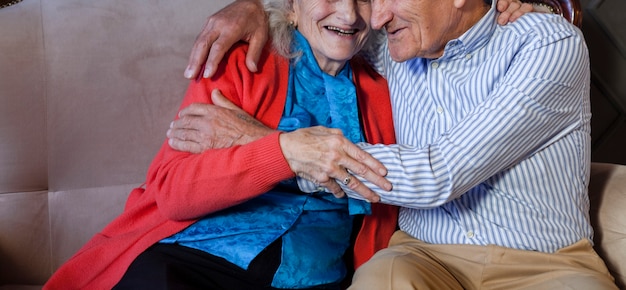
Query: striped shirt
495, 137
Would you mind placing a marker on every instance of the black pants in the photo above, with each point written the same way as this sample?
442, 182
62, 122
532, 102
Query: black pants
171, 266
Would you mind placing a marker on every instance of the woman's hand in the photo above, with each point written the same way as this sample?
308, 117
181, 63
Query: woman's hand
241, 20
511, 10
326, 157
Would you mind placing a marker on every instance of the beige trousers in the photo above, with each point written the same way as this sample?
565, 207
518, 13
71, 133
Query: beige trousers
409, 263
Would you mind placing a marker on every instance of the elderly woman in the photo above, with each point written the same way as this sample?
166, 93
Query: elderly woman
234, 218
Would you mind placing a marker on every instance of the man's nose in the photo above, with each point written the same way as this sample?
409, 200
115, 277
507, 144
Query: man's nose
380, 14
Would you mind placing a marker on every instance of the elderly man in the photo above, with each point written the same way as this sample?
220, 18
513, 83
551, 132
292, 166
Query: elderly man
492, 163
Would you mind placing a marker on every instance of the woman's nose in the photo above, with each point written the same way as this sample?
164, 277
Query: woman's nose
347, 10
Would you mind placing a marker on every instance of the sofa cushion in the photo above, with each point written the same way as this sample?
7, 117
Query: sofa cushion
607, 194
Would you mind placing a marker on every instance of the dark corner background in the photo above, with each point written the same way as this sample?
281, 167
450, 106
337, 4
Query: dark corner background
604, 26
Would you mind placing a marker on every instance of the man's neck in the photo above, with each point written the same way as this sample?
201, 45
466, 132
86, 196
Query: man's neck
472, 12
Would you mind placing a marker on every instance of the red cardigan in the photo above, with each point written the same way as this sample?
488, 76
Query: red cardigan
182, 187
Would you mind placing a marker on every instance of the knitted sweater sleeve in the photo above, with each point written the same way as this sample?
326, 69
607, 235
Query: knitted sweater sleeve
188, 186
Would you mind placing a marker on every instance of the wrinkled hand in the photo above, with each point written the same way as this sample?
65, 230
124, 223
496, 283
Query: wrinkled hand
241, 20
511, 10
205, 126
326, 157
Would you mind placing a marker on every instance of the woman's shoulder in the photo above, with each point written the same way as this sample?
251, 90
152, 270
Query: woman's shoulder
236, 56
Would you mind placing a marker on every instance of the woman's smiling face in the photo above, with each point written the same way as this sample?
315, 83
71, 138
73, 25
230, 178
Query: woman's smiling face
336, 29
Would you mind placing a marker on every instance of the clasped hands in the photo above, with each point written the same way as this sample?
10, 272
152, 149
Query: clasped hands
319, 154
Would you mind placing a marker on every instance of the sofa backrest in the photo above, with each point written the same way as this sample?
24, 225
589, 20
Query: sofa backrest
87, 90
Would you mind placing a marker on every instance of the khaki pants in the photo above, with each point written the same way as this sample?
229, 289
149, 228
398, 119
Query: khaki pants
409, 263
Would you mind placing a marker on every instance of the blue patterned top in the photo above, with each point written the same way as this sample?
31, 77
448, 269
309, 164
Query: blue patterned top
315, 227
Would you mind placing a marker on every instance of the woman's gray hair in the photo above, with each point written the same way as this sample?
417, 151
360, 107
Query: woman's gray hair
281, 29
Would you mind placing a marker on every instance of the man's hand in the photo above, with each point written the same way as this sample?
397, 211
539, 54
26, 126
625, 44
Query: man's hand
511, 10
326, 157
222, 125
241, 20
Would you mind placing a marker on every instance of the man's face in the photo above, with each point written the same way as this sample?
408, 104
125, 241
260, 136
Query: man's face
416, 28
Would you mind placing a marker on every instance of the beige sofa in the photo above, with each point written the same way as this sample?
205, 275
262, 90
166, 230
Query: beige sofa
87, 90
607, 194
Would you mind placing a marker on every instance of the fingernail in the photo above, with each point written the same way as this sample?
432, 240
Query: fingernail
172, 124
206, 72
169, 131
188, 73
251, 66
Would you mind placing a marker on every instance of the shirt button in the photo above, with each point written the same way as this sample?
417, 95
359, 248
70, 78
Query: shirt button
435, 65
439, 110
470, 234
285, 226
468, 56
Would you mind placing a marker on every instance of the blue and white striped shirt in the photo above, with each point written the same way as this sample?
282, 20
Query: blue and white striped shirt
495, 137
